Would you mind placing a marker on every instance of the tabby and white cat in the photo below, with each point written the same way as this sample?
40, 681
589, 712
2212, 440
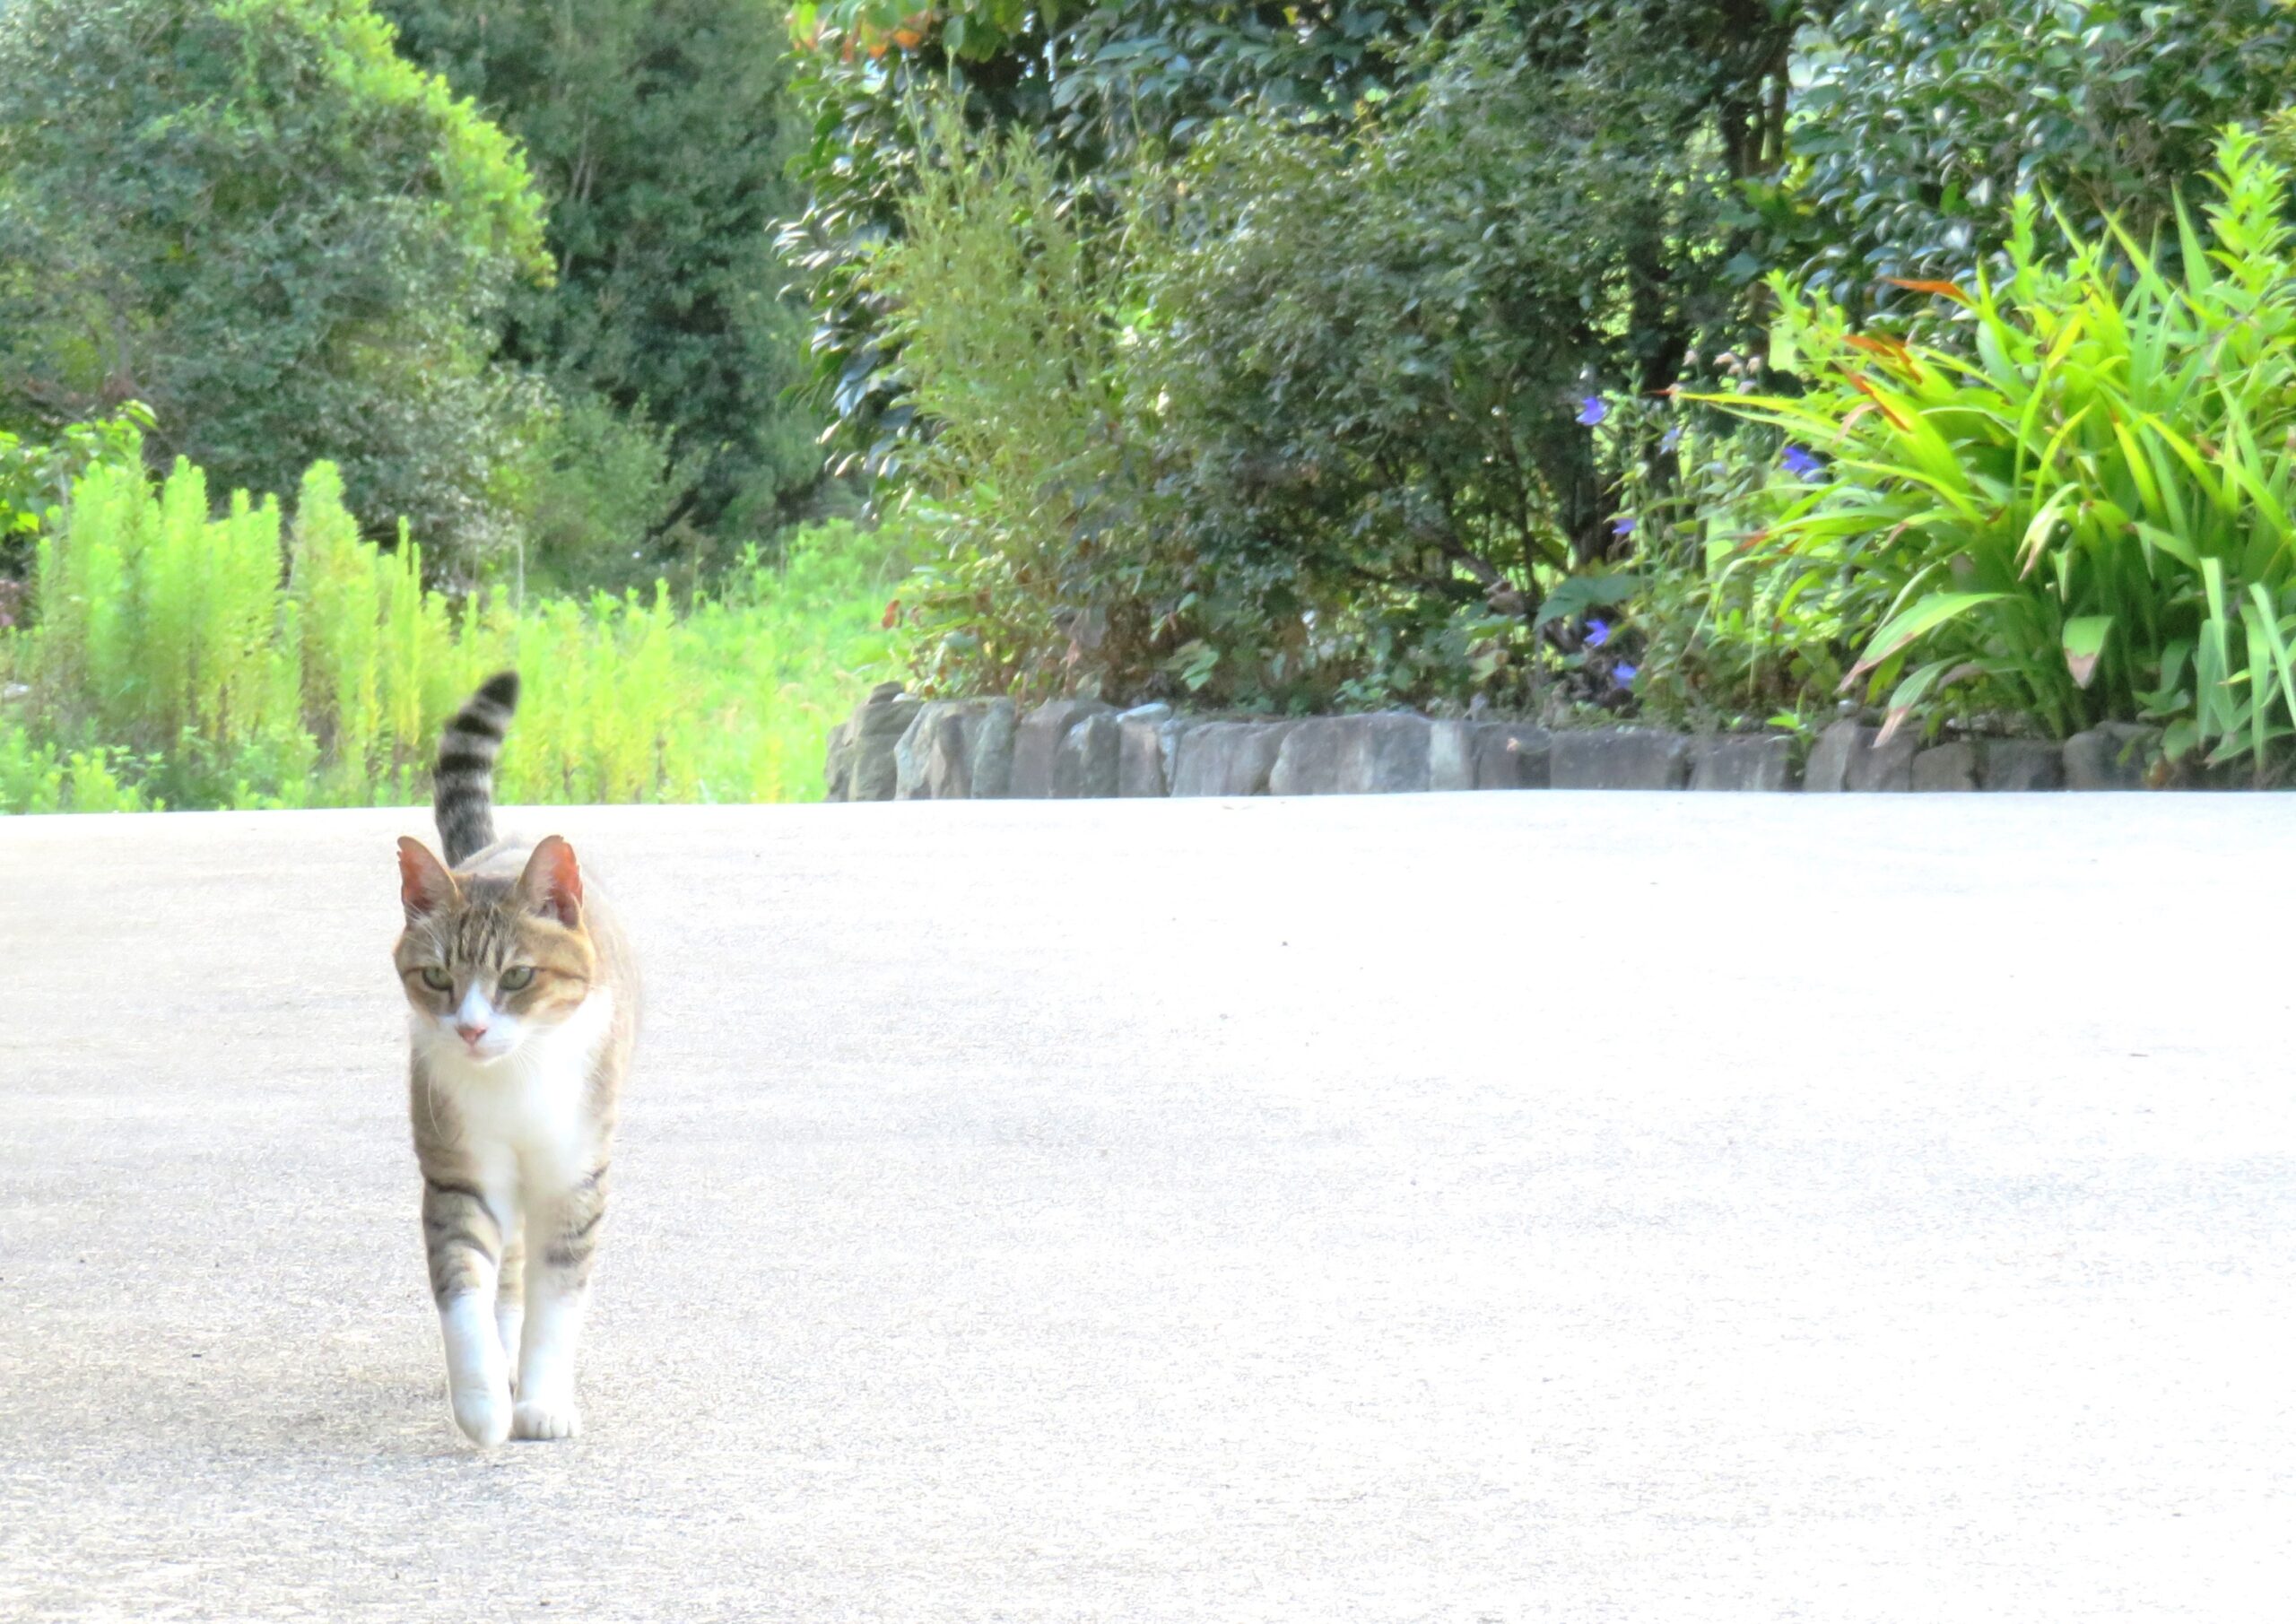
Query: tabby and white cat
525, 1008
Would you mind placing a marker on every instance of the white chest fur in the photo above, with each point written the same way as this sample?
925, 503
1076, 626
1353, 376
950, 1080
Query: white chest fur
525, 1117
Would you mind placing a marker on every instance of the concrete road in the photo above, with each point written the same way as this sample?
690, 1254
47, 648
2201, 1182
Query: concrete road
1481, 1208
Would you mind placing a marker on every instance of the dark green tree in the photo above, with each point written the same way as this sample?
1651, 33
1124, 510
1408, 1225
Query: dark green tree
290, 242
661, 133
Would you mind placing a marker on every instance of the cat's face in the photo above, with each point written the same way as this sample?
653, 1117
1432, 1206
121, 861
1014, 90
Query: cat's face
488, 963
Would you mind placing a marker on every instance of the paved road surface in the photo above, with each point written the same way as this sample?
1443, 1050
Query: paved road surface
1482, 1208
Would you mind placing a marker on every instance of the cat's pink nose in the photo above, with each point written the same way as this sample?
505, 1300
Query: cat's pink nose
470, 1033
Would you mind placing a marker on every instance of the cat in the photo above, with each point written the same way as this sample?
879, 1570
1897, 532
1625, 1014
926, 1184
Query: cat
523, 1002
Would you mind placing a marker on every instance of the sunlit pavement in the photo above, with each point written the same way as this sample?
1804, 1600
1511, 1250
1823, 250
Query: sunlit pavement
1485, 1207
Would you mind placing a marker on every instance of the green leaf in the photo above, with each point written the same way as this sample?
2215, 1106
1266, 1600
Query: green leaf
1917, 686
2176, 546
2036, 534
2084, 641
2263, 627
1916, 620
1581, 592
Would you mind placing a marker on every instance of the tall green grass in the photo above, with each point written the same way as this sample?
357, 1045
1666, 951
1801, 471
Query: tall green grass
2084, 511
179, 659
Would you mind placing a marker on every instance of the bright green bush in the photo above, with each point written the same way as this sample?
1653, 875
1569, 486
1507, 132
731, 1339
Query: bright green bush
2082, 510
36, 477
182, 659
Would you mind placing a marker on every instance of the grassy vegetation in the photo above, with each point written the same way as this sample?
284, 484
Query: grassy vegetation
2086, 514
181, 660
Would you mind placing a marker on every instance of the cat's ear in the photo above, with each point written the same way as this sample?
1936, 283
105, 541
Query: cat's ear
553, 882
424, 885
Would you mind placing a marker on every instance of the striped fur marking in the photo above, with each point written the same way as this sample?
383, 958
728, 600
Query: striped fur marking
462, 797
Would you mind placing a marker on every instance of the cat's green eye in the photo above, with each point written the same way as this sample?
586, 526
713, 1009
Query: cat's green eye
518, 979
436, 979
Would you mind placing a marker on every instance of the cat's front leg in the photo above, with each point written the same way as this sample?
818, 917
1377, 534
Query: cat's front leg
565, 1238
464, 1240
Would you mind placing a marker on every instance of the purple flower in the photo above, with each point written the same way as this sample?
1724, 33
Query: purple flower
1598, 632
1622, 527
1801, 463
1671, 439
1622, 674
1592, 411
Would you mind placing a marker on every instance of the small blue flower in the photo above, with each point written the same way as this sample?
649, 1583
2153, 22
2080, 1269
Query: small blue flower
1592, 411
1622, 527
1622, 674
1671, 439
1801, 463
1598, 632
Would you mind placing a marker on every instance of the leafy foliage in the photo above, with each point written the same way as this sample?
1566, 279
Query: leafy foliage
1719, 643
599, 487
1071, 555
1379, 342
1319, 360
36, 477
1302, 422
1002, 297
661, 134
254, 217
173, 662
2083, 512
1924, 120
1100, 86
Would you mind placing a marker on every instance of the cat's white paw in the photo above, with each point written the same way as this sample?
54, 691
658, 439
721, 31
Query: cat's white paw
483, 1413
543, 1419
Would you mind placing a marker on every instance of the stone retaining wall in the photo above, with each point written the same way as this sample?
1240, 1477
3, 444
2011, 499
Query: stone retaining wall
897, 748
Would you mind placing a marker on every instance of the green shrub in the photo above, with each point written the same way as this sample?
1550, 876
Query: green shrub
2082, 510
256, 217
1007, 318
32, 776
174, 660
1919, 123
1102, 88
1373, 349
1718, 644
602, 485
1301, 424
36, 477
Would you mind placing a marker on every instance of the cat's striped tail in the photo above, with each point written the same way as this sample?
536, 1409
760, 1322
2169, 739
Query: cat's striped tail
462, 786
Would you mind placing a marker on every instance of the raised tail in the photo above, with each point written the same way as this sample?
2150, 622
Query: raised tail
462, 786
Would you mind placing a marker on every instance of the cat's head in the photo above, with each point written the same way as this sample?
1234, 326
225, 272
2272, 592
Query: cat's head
489, 962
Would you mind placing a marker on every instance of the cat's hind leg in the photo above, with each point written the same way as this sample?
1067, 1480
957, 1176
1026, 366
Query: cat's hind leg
510, 1300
